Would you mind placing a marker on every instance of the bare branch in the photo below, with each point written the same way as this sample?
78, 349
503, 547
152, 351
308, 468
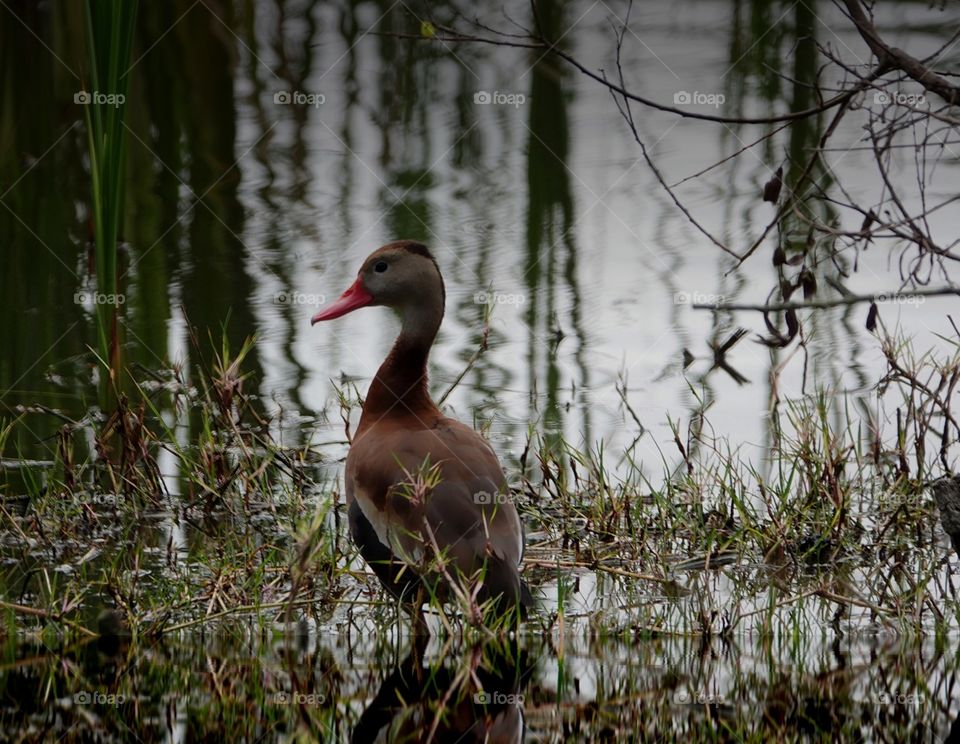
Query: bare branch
895, 58
851, 299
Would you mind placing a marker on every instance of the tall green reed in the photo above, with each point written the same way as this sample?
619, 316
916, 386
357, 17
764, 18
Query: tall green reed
110, 28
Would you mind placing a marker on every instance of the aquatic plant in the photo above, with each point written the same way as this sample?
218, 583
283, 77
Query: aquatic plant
110, 27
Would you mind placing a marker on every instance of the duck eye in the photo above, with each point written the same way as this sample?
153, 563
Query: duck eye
380, 267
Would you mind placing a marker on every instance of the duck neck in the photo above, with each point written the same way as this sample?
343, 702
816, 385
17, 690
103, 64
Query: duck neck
399, 388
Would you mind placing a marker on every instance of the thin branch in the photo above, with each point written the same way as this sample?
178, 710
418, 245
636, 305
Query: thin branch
895, 58
615, 88
852, 299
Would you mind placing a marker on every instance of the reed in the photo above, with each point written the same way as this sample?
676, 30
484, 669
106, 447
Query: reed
110, 28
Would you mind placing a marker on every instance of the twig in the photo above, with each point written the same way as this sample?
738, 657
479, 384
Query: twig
895, 58
55, 617
484, 341
852, 299
255, 608
574, 62
598, 567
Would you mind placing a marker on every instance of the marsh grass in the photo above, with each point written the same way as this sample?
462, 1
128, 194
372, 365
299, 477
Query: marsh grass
188, 511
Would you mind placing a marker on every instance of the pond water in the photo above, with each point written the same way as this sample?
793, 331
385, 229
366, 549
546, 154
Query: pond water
240, 684
273, 145
267, 210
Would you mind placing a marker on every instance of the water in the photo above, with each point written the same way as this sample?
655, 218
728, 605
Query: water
247, 212
239, 684
546, 203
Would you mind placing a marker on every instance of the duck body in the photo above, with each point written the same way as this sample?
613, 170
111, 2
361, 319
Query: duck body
428, 504
402, 526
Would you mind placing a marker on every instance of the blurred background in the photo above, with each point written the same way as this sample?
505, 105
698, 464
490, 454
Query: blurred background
272, 146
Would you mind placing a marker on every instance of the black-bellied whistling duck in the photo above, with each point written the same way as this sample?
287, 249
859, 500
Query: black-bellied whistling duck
427, 499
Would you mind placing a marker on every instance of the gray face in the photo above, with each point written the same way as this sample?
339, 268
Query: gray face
398, 278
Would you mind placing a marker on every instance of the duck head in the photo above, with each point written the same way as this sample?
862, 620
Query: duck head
402, 276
